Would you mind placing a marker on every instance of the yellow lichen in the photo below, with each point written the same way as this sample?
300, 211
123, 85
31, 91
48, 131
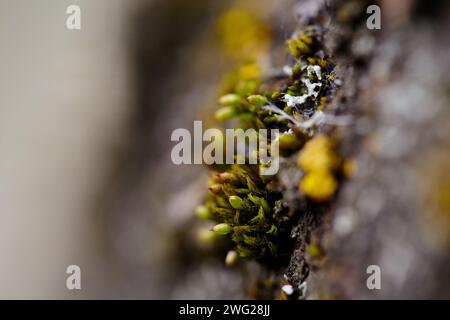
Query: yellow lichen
349, 168
319, 161
318, 154
249, 71
243, 80
319, 185
243, 36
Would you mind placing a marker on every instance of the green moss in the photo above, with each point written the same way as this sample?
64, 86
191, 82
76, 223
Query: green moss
253, 214
222, 228
202, 212
247, 207
300, 46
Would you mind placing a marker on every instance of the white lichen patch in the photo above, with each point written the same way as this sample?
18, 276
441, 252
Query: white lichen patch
293, 101
288, 289
316, 69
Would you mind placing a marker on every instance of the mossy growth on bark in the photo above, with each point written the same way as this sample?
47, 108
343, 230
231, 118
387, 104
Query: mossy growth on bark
247, 206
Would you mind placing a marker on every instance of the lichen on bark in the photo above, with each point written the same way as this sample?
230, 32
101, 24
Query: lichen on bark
336, 96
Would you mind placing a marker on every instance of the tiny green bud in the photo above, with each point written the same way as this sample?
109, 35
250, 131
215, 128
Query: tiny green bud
247, 116
225, 113
251, 185
306, 39
276, 95
230, 99
236, 202
296, 70
259, 216
298, 47
265, 205
222, 202
231, 258
273, 230
225, 177
215, 188
222, 228
206, 237
288, 141
202, 212
256, 200
257, 100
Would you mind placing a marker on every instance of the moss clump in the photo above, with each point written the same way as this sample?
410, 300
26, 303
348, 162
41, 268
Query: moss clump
300, 46
247, 207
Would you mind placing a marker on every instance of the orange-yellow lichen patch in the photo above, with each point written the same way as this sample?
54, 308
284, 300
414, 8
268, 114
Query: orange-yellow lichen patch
319, 185
243, 36
318, 154
349, 168
319, 161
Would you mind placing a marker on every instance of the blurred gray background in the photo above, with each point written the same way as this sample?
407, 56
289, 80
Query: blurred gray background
76, 146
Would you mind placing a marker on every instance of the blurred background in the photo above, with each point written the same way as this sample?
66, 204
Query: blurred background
85, 123
86, 118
